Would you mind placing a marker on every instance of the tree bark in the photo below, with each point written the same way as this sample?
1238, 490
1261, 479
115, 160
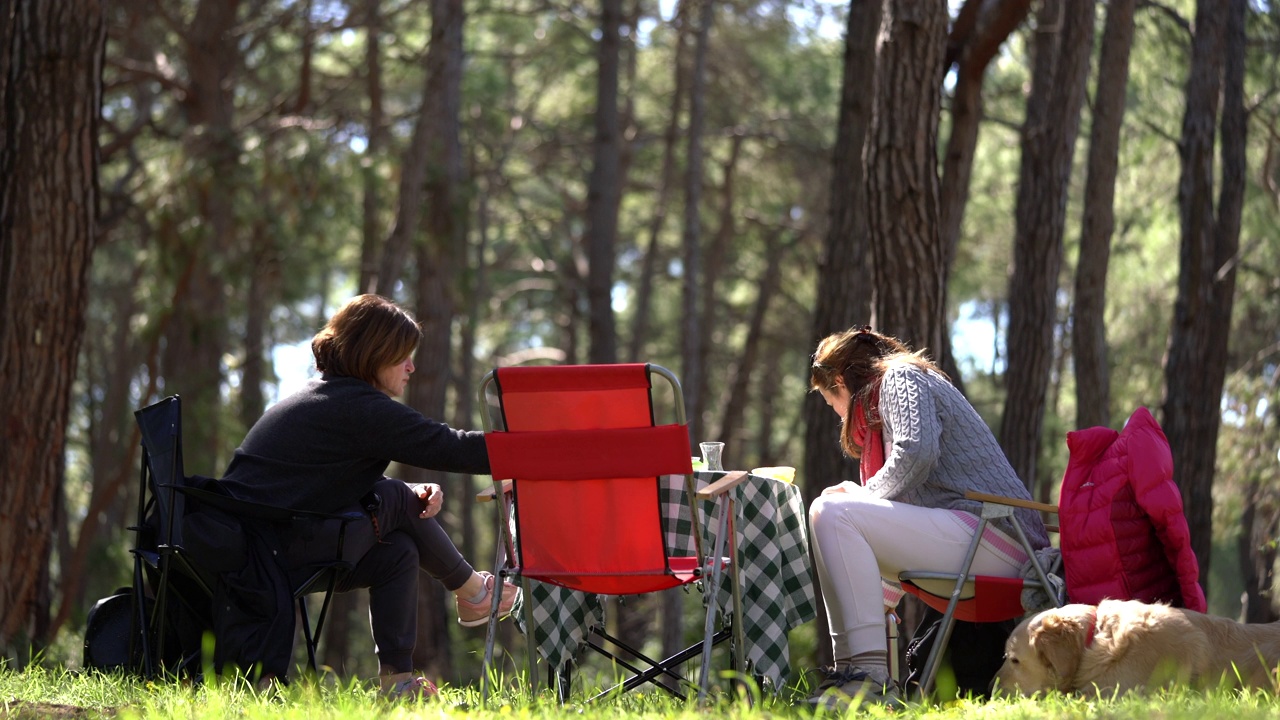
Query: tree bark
976, 37
604, 191
371, 237
197, 336
1195, 365
738, 391
902, 174
974, 53
666, 181
438, 260
1064, 41
692, 327
844, 291
672, 600
50, 100
1256, 549
1088, 324
716, 262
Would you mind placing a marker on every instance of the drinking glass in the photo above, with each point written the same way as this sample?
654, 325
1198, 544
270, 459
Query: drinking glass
711, 452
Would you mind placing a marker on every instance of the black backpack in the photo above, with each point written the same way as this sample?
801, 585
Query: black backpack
981, 645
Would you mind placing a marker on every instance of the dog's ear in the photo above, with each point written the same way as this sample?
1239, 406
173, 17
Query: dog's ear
1058, 640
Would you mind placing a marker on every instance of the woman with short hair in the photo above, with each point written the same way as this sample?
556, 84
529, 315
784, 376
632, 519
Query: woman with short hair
326, 448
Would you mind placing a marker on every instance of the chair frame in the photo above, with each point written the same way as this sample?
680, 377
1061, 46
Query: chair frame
171, 556
725, 541
993, 507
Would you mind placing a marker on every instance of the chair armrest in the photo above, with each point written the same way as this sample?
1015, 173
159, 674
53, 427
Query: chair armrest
723, 485
1012, 502
489, 493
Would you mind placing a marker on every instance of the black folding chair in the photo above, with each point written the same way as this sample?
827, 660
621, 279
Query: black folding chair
173, 586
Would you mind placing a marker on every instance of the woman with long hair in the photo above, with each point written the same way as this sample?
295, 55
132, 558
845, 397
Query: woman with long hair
920, 447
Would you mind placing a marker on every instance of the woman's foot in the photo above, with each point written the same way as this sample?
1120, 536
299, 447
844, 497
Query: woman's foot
475, 612
846, 685
406, 686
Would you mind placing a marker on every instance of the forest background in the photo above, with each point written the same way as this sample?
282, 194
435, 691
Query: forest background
1072, 205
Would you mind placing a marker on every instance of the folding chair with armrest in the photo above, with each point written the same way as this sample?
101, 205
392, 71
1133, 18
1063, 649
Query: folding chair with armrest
584, 460
977, 598
185, 580
1123, 534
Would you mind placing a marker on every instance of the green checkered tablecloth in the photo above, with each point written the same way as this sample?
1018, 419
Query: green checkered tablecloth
774, 570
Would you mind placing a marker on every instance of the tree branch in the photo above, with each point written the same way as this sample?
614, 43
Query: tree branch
1172, 15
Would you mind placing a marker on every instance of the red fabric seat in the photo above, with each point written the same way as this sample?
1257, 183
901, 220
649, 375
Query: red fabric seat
581, 442
994, 599
585, 457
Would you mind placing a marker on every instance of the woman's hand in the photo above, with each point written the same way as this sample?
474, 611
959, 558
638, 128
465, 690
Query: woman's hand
432, 497
848, 486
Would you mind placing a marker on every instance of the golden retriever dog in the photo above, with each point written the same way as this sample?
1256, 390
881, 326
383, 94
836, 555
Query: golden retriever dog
1120, 646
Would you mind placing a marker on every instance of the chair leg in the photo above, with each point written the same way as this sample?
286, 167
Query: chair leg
306, 633
891, 641
486, 668
656, 668
735, 588
949, 617
561, 680
530, 637
711, 600
141, 630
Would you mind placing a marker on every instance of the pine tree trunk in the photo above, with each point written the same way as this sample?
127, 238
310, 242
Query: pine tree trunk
738, 391
902, 174
438, 260
197, 334
692, 328
50, 99
1195, 366
1060, 73
972, 45
371, 238
844, 287
1088, 324
604, 191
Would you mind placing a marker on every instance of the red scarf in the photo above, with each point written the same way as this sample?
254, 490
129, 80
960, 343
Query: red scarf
870, 441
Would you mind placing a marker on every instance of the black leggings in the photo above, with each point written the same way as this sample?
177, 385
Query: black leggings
387, 565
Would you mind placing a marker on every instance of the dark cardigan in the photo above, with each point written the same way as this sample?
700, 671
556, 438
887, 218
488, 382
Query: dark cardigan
324, 447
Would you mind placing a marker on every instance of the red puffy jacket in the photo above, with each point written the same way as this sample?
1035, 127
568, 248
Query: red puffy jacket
1123, 534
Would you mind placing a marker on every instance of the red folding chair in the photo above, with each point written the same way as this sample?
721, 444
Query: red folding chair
976, 598
584, 459
1117, 491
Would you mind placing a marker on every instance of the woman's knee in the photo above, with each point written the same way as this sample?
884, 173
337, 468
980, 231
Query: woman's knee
829, 509
396, 555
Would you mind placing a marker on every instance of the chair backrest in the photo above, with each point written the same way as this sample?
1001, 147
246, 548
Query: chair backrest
161, 428
581, 443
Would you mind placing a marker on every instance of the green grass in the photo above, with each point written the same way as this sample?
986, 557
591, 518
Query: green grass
58, 693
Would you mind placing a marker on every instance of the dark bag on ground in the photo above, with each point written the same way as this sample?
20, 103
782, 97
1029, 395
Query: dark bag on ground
107, 642
980, 647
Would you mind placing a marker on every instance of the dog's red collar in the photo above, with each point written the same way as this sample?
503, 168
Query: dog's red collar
1093, 626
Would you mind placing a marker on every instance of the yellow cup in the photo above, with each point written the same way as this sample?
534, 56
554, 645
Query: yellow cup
781, 473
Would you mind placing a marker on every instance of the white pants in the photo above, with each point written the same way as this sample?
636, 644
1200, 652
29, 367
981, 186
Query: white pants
859, 539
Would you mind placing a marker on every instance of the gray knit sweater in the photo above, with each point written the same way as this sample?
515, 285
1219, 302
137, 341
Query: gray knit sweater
937, 447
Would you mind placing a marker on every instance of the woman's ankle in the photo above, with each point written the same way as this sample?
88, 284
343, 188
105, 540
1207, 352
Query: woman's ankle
475, 596
389, 677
